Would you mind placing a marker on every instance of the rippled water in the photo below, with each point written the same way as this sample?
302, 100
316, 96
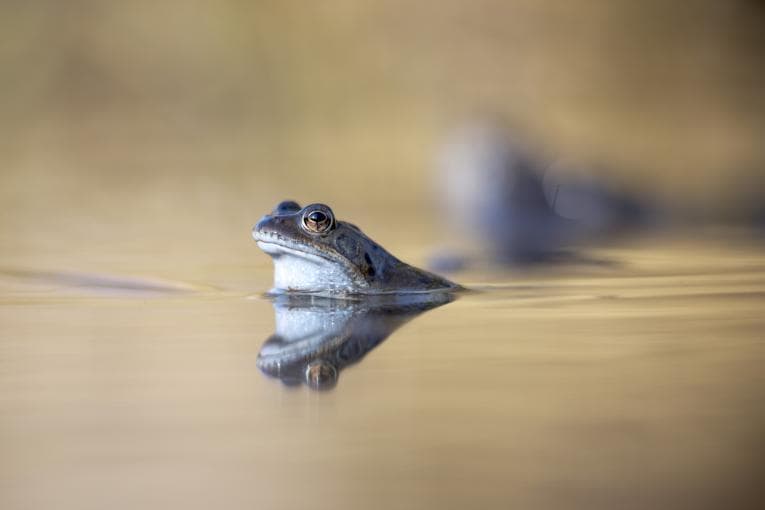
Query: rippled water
634, 384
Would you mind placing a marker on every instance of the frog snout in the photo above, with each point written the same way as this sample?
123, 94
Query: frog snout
267, 223
259, 225
262, 222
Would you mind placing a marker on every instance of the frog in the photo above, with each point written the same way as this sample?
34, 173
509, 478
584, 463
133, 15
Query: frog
315, 253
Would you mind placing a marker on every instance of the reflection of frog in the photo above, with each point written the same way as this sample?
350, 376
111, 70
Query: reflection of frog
317, 337
315, 253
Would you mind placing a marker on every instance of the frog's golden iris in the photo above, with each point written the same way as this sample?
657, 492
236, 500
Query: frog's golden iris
318, 219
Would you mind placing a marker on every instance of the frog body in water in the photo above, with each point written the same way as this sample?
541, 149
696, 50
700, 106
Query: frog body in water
315, 253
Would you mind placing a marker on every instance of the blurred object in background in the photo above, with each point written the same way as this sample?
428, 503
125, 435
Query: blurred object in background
498, 196
491, 193
599, 209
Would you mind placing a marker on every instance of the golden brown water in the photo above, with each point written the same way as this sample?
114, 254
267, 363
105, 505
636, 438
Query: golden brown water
632, 385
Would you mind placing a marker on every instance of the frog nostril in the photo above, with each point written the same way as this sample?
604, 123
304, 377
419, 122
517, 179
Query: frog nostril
262, 222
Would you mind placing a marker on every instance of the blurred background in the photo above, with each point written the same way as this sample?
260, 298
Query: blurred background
176, 124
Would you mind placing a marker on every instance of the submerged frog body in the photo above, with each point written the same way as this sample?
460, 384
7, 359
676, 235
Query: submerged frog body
313, 252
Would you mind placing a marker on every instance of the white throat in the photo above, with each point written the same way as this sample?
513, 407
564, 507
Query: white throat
300, 271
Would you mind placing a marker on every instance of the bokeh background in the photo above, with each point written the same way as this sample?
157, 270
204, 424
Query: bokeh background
174, 125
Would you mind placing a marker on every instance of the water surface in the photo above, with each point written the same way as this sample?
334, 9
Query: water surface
637, 384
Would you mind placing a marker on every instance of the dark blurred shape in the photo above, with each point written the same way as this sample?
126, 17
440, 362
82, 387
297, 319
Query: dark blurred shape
598, 209
495, 191
491, 191
316, 338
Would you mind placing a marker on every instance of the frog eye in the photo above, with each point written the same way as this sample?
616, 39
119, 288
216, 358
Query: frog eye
318, 221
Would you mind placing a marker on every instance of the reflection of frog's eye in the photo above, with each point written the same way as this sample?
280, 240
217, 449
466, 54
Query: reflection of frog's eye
318, 222
320, 375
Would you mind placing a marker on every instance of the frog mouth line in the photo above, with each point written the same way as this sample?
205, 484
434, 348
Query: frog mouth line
311, 346
276, 245
278, 249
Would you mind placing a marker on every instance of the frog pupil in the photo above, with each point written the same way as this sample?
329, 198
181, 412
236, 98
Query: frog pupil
318, 221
